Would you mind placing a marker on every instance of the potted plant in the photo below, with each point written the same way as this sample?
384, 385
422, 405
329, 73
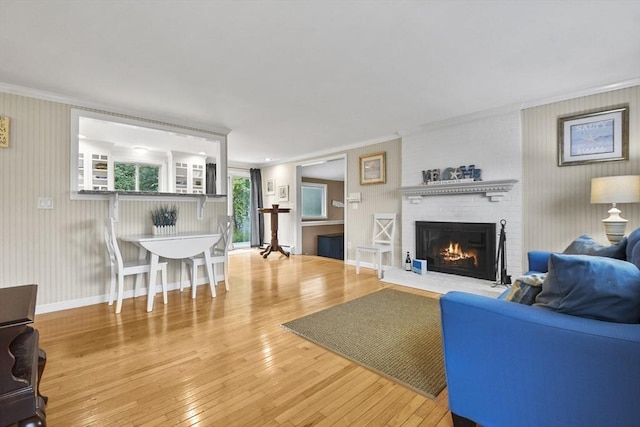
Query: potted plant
164, 219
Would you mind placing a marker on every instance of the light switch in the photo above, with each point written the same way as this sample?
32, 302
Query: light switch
45, 203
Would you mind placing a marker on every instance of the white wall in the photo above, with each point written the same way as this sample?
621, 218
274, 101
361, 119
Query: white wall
493, 144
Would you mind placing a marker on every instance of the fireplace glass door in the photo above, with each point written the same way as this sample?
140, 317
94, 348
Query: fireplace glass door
466, 249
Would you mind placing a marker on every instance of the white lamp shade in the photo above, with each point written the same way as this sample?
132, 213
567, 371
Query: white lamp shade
615, 189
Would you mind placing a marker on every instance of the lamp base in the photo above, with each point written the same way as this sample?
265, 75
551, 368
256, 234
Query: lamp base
614, 225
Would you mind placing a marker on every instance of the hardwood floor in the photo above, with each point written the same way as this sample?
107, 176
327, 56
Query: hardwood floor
223, 361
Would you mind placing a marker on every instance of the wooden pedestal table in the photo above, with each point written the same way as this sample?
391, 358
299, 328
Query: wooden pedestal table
274, 210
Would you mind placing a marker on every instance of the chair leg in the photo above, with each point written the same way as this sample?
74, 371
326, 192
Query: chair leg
112, 287
213, 282
357, 261
163, 272
225, 269
120, 292
379, 263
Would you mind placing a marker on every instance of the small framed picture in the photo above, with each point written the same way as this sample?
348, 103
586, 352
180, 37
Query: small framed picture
4, 132
372, 168
283, 193
597, 136
270, 187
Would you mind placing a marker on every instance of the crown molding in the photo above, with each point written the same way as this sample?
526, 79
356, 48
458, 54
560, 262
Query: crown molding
75, 102
581, 93
512, 108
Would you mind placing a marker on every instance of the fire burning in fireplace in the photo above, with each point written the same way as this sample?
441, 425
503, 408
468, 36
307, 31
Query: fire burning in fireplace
454, 255
463, 248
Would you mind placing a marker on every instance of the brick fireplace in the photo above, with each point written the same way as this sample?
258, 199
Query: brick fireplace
491, 143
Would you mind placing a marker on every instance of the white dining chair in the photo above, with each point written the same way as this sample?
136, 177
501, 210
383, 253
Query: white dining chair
219, 255
384, 229
121, 268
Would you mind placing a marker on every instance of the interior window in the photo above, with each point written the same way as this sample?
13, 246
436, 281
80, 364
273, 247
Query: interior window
314, 200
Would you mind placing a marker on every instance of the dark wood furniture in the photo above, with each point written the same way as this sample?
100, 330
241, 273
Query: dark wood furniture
331, 245
274, 246
21, 360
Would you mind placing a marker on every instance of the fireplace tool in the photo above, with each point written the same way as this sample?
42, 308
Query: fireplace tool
505, 279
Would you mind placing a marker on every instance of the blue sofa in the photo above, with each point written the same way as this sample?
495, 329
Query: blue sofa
510, 364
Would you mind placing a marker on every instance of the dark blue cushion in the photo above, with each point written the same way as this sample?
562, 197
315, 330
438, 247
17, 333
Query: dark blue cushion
633, 247
585, 245
592, 286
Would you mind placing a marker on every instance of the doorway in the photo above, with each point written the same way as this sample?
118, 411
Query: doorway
331, 173
240, 207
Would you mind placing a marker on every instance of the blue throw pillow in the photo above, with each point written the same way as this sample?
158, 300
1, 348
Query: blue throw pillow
591, 286
585, 245
633, 247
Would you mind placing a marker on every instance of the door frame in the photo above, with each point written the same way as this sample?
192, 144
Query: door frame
298, 210
240, 173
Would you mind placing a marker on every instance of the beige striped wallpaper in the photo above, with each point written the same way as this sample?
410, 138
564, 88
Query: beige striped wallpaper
62, 250
557, 199
375, 198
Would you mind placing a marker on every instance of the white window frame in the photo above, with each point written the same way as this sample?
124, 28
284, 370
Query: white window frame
323, 215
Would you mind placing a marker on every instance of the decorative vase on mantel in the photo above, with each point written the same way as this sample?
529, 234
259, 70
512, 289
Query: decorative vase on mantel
164, 220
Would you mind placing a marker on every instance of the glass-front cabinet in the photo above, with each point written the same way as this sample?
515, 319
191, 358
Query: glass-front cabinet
100, 172
189, 173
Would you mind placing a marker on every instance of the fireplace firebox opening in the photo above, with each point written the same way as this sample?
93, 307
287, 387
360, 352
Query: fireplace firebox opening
465, 249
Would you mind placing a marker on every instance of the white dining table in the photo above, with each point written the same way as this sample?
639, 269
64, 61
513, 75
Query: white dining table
175, 246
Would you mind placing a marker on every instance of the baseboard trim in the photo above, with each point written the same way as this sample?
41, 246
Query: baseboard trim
103, 299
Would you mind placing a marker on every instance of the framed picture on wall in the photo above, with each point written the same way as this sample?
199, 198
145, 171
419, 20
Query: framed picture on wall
4, 132
598, 136
270, 187
372, 168
283, 193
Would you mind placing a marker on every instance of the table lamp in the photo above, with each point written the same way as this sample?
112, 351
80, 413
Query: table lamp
615, 189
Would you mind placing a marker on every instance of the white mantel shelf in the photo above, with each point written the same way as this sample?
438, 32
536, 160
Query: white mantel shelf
494, 190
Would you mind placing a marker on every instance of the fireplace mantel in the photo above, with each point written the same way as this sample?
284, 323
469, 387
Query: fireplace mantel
494, 190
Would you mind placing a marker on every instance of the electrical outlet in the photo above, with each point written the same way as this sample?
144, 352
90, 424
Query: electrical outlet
45, 203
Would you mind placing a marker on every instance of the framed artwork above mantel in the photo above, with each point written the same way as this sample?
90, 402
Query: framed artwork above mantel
596, 136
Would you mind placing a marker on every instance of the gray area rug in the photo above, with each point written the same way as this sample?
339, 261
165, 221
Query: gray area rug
394, 333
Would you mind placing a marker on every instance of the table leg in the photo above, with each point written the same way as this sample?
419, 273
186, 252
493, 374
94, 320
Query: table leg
210, 275
265, 253
151, 292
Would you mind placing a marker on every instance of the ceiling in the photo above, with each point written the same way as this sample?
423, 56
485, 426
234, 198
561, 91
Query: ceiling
294, 79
